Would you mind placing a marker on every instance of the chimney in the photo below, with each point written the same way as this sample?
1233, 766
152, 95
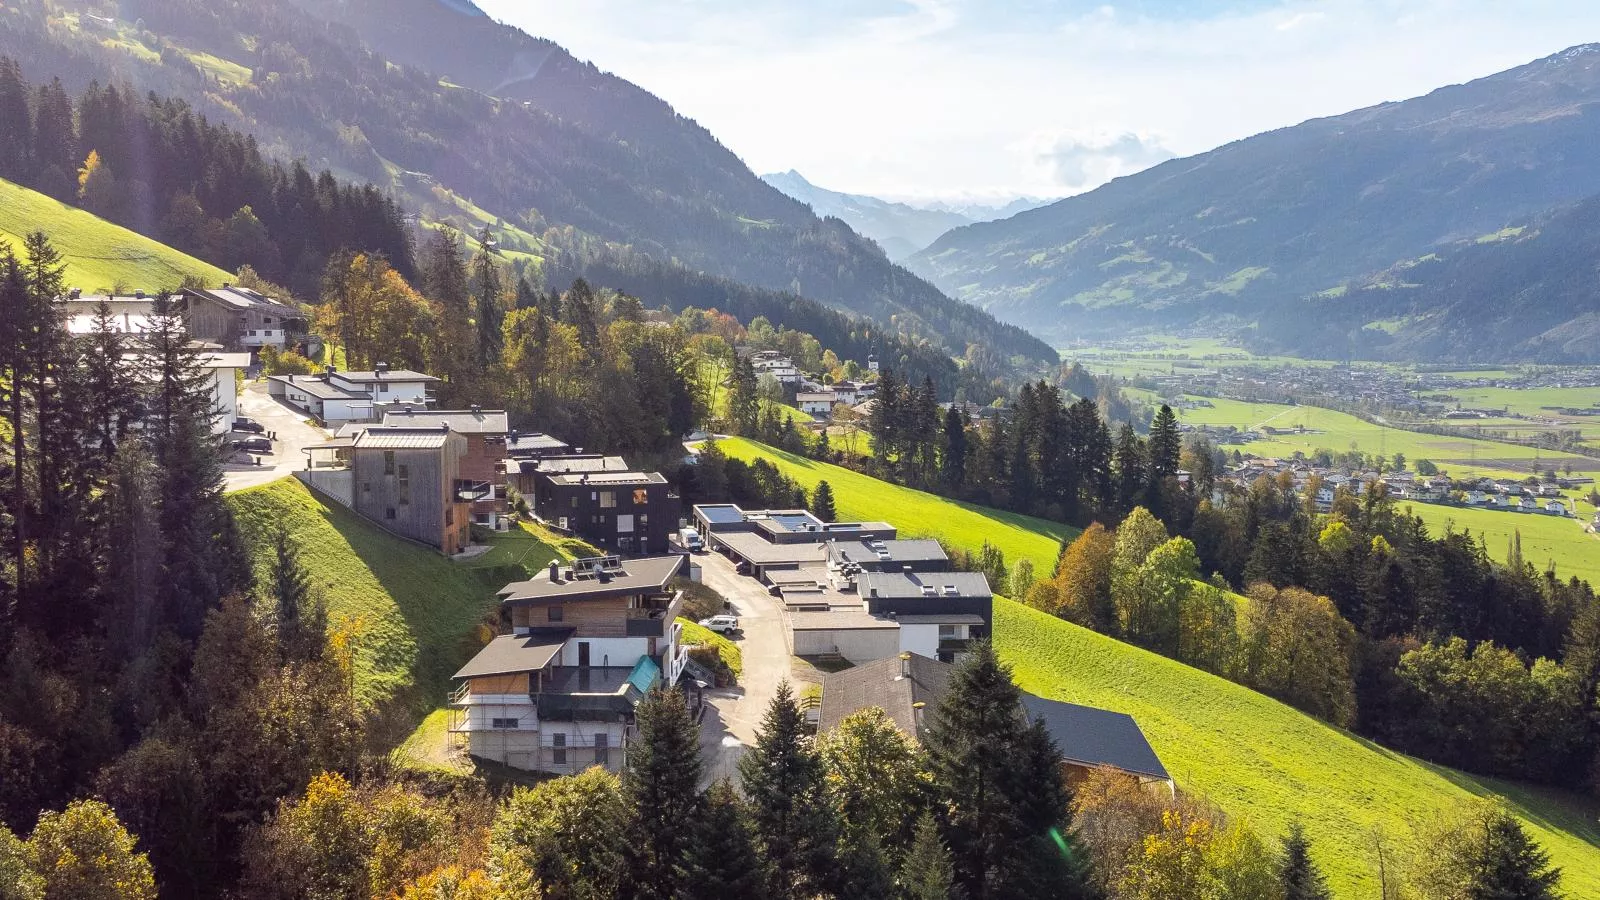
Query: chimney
905, 664
555, 572
138, 295
76, 293
225, 285
380, 368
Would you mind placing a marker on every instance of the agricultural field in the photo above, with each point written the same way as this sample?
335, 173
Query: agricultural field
1545, 539
915, 513
1267, 764
1162, 355
99, 255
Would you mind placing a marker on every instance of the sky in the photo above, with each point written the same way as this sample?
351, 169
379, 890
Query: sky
978, 100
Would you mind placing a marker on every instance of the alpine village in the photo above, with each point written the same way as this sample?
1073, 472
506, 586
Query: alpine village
434, 468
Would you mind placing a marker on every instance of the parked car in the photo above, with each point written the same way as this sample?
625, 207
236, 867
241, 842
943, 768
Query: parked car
721, 624
741, 568
254, 445
690, 539
249, 425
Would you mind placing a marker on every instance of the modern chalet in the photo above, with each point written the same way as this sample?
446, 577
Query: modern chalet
406, 479
583, 646
483, 468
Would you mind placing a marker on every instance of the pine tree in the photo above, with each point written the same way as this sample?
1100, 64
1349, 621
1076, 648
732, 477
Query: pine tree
301, 619
927, 873
1166, 444
55, 141
744, 402
722, 860
1130, 464
112, 395
16, 123
445, 282
1299, 876
661, 785
822, 502
783, 778
1509, 865
954, 461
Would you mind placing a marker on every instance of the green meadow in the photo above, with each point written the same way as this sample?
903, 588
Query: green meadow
1268, 764
99, 255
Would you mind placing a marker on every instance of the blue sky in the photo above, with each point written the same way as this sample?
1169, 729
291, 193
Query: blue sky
975, 99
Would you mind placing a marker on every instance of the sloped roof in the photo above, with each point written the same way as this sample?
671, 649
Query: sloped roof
510, 654
384, 437
879, 683
1096, 737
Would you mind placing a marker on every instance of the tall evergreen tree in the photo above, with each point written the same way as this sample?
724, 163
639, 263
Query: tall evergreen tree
927, 873
55, 141
445, 282
1166, 444
488, 307
744, 399
822, 502
1299, 876
783, 778
300, 618
1130, 464
998, 781
1509, 865
954, 461
16, 123
661, 785
111, 395
722, 860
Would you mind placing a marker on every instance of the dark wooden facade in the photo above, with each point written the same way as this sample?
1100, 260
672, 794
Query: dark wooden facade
630, 512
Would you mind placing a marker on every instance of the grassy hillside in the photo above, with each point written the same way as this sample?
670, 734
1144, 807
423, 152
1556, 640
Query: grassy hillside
1269, 764
413, 610
1545, 539
99, 255
915, 513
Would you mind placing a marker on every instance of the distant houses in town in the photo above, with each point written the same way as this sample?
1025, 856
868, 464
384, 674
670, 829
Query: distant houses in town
584, 644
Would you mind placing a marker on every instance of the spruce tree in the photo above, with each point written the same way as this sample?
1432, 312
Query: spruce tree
927, 873
953, 464
722, 860
1166, 444
488, 309
1299, 876
16, 123
1510, 865
301, 619
783, 778
998, 780
660, 785
822, 502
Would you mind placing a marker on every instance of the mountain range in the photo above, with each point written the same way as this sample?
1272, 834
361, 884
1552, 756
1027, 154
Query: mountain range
901, 229
475, 123
1443, 226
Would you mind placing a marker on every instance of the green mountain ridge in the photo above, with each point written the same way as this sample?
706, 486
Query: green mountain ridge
1242, 235
592, 166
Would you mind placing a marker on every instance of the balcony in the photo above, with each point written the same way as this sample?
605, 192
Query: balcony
655, 620
473, 491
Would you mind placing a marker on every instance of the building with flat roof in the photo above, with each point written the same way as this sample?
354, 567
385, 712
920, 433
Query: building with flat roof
585, 643
334, 397
624, 512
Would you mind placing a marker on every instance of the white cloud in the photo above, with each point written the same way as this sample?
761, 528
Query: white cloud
962, 98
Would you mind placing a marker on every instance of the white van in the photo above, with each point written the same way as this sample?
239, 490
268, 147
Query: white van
689, 539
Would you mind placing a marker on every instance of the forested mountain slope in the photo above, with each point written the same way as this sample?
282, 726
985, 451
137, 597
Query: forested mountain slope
1322, 207
586, 163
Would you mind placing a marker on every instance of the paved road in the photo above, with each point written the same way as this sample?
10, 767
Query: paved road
293, 431
734, 714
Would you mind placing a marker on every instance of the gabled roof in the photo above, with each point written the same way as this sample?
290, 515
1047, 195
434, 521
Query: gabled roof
1096, 737
466, 421
879, 683
241, 299
511, 654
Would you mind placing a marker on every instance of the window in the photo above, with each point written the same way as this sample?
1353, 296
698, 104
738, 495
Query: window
366, 487
602, 749
388, 513
383, 389
559, 754
252, 332
644, 519
556, 613
641, 497
502, 723
947, 632
266, 320
404, 473
574, 501
608, 499
388, 462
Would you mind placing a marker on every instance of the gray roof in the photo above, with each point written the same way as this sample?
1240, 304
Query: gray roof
316, 387
560, 465
903, 585
940, 619
878, 683
386, 437
466, 421
1096, 737
243, 298
838, 619
391, 375
762, 552
898, 551
638, 576
609, 479
513, 653
535, 441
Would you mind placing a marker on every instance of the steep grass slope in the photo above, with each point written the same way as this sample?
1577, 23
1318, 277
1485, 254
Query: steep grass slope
99, 255
413, 611
859, 497
1269, 764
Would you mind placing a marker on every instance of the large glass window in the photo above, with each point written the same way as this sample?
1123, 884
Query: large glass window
608, 499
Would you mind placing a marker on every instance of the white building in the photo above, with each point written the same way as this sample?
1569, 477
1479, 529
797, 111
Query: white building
817, 404
335, 397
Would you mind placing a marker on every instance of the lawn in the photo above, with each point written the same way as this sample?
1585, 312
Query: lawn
99, 255
1545, 538
1267, 764
859, 497
413, 610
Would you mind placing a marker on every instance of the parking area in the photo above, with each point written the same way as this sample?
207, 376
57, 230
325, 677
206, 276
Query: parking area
292, 432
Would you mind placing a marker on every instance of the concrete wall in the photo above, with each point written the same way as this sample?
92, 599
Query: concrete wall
337, 484
617, 652
920, 639
858, 645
